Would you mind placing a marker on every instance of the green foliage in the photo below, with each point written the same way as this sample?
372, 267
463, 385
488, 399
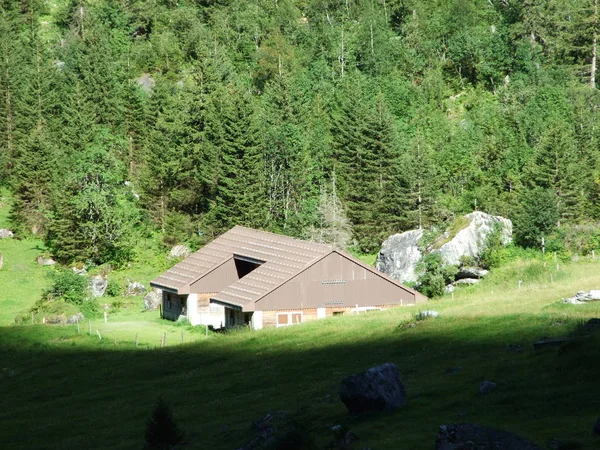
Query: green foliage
68, 286
187, 118
536, 218
114, 288
435, 276
161, 431
493, 252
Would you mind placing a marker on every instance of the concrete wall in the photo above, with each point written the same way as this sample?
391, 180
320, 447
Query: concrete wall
335, 281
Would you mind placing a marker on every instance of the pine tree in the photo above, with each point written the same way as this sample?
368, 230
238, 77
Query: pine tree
282, 149
34, 177
162, 433
94, 216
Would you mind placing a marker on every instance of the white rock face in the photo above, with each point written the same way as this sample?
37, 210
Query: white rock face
152, 299
399, 256
97, 286
470, 240
4, 233
179, 251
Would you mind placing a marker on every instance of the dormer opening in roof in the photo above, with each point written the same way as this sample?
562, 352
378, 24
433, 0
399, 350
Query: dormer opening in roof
245, 264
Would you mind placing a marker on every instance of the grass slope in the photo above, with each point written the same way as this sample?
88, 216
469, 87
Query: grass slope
74, 391
22, 280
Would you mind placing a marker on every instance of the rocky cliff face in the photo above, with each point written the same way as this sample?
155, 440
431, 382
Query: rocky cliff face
400, 254
470, 240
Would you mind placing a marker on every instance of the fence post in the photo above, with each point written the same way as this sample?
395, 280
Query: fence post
136, 339
32, 318
99, 335
105, 317
182, 337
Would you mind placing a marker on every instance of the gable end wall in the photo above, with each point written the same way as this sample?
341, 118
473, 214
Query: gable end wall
334, 282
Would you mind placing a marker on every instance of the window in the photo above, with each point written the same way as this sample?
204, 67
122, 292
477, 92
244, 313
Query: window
338, 313
245, 265
289, 318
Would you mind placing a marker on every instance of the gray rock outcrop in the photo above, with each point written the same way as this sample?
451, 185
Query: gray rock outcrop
153, 299
146, 82
45, 261
97, 286
477, 437
466, 281
380, 388
76, 318
80, 270
470, 240
584, 296
5, 234
471, 272
486, 387
179, 251
426, 314
399, 256
134, 288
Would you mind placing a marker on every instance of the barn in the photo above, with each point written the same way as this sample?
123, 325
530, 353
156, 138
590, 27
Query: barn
246, 276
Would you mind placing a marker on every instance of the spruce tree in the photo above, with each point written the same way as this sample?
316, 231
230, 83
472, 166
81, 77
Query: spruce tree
162, 433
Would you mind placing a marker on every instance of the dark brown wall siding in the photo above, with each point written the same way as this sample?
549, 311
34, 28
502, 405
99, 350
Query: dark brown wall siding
217, 280
335, 281
173, 311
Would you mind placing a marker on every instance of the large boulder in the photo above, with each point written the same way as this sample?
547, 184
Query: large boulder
469, 241
584, 296
179, 251
477, 437
399, 256
45, 261
97, 286
471, 272
153, 299
380, 388
4, 233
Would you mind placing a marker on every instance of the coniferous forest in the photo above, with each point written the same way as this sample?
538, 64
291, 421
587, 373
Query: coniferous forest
340, 120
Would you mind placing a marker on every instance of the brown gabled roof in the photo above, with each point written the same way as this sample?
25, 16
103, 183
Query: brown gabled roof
283, 258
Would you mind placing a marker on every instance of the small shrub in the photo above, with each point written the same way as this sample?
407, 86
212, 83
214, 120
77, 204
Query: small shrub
467, 261
68, 286
493, 253
90, 308
161, 431
435, 275
114, 288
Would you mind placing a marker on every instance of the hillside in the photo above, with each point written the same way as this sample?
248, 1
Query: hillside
218, 386
339, 121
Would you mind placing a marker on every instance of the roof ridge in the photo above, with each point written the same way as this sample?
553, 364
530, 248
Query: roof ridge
327, 246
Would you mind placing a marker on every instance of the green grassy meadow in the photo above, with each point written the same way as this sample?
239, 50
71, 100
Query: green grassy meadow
68, 390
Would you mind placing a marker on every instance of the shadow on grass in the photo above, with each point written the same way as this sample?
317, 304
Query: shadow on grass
60, 394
